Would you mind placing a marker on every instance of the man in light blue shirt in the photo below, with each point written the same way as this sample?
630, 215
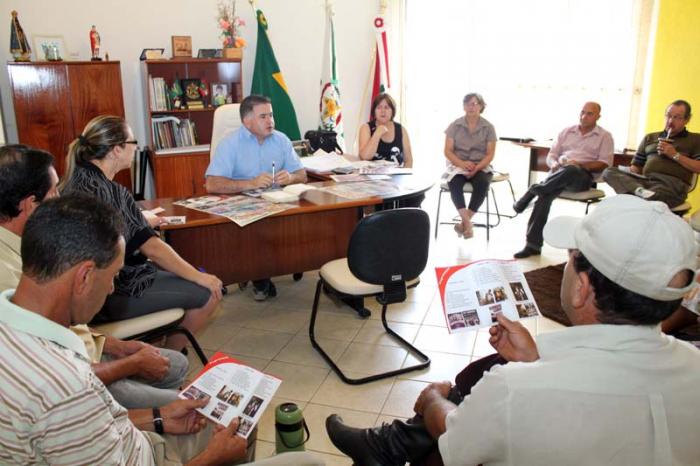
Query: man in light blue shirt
254, 156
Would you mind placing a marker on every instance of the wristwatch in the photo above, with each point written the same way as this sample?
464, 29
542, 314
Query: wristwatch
677, 157
157, 421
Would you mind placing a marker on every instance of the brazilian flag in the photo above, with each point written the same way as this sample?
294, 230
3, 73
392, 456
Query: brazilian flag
268, 81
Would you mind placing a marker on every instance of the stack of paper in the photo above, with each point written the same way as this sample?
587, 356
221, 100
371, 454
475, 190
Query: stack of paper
323, 162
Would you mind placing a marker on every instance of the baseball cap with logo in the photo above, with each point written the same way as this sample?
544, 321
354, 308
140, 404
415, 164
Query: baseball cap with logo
640, 245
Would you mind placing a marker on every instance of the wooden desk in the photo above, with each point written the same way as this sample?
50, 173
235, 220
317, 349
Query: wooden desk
539, 151
296, 240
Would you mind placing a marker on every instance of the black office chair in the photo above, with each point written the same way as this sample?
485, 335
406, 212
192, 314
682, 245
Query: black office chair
387, 253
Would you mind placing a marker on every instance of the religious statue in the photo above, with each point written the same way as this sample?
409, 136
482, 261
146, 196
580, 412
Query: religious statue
19, 46
95, 43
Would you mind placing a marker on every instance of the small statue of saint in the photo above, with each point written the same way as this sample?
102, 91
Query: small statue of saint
95, 43
19, 46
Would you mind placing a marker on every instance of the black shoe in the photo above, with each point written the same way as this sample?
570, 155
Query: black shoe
521, 204
527, 251
268, 290
351, 441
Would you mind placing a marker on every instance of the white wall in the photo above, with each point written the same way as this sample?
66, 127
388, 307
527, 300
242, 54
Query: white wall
296, 29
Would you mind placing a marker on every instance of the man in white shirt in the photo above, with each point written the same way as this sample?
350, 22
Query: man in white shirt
612, 389
577, 158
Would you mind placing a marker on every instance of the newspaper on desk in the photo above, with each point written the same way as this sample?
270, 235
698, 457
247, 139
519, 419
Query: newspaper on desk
242, 210
363, 189
355, 177
234, 390
474, 294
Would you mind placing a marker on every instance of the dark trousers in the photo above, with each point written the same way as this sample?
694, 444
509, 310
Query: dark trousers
667, 188
480, 187
262, 284
410, 441
570, 178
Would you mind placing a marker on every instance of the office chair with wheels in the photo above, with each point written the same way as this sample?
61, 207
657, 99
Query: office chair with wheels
151, 327
388, 251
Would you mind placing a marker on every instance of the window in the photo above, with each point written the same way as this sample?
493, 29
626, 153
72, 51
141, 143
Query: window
535, 62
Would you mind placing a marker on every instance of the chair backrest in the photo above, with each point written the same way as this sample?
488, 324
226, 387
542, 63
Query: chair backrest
227, 118
390, 247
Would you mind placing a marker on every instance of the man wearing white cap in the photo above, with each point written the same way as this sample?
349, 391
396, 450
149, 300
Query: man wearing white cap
612, 389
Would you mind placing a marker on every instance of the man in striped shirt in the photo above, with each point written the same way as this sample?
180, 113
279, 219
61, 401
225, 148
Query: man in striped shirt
136, 374
53, 408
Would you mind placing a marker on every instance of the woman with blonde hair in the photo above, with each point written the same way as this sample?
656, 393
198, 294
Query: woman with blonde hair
154, 276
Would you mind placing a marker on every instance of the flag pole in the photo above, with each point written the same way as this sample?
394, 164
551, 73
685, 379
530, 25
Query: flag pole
370, 75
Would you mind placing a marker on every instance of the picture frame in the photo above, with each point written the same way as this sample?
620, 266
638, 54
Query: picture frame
207, 53
49, 40
220, 94
182, 46
152, 54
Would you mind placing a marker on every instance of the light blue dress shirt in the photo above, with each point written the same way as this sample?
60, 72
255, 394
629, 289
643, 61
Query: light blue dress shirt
239, 156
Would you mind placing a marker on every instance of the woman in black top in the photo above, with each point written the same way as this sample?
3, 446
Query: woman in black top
382, 138
154, 276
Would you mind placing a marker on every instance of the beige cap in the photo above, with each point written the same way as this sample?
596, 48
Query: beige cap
640, 245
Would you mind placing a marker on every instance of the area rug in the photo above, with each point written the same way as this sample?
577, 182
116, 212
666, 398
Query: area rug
545, 284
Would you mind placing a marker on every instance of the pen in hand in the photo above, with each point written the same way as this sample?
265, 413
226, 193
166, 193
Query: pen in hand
274, 183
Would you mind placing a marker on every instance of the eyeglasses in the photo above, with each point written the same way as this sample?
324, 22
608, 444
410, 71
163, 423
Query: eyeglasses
675, 117
134, 142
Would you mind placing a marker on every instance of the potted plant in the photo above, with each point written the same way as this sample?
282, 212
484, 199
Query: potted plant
230, 25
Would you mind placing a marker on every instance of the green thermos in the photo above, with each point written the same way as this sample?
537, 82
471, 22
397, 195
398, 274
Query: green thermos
289, 428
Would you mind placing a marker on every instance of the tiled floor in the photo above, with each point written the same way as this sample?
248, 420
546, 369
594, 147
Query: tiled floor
272, 336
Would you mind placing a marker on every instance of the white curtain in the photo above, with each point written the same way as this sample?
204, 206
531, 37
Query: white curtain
535, 62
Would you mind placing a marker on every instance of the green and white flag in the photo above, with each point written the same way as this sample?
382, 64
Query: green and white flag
331, 118
268, 81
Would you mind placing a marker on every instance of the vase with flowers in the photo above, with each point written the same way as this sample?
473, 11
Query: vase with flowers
230, 25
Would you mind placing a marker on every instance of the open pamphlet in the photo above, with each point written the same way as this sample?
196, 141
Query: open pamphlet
474, 294
234, 390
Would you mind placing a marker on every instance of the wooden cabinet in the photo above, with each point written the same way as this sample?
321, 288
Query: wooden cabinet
179, 172
53, 102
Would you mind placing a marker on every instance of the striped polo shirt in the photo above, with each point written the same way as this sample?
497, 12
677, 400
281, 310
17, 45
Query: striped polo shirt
53, 408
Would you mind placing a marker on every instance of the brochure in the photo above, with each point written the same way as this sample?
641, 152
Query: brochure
474, 294
235, 390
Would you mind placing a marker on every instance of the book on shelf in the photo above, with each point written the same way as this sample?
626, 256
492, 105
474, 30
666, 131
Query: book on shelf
170, 132
160, 98
184, 149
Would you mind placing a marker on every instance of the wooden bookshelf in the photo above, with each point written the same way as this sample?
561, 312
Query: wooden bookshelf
179, 171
